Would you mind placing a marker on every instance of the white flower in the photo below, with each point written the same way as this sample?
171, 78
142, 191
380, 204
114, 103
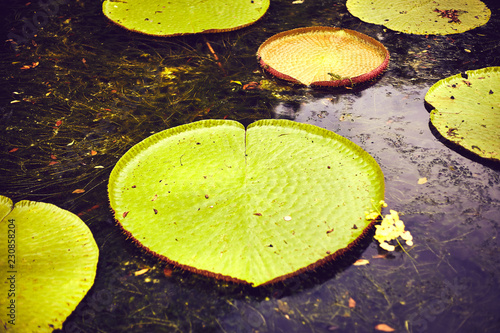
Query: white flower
386, 246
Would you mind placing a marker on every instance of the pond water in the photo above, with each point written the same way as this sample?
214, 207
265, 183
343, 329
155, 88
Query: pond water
97, 89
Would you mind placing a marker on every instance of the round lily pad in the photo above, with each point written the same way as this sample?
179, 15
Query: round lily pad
180, 17
467, 110
49, 264
251, 206
423, 17
323, 56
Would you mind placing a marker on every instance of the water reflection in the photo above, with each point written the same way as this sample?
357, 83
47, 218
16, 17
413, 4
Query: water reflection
448, 282
441, 283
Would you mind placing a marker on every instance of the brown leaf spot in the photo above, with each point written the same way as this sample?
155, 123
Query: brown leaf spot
422, 180
361, 262
379, 256
352, 303
167, 272
384, 328
142, 271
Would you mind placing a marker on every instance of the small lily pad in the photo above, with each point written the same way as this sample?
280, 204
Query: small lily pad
252, 206
423, 17
467, 110
181, 17
323, 56
50, 261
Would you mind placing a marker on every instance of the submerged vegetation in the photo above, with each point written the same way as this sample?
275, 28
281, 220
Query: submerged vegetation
86, 103
75, 97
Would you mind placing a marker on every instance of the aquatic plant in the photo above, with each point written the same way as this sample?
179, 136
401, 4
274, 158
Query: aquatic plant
323, 56
50, 261
422, 17
161, 18
466, 110
253, 206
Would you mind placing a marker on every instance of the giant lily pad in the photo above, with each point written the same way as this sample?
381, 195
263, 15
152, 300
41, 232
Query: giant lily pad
180, 17
423, 17
323, 56
49, 264
250, 206
467, 110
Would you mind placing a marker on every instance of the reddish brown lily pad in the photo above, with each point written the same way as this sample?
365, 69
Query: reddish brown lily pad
323, 56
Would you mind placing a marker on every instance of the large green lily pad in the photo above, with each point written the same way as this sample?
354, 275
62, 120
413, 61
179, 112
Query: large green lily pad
250, 206
49, 263
423, 17
180, 17
467, 110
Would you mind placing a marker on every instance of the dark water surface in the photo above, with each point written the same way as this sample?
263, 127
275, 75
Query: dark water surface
99, 88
